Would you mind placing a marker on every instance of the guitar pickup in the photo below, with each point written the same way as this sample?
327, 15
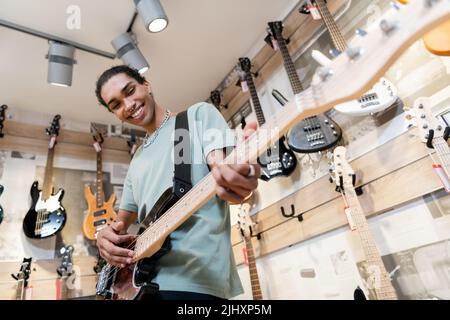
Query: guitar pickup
315, 136
99, 222
99, 213
311, 127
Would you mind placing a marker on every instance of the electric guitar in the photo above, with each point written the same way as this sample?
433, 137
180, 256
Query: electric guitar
23, 292
278, 160
380, 97
100, 213
246, 227
1, 208
377, 280
399, 30
46, 216
434, 135
316, 133
65, 273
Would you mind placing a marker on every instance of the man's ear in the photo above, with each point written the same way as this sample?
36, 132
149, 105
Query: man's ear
147, 85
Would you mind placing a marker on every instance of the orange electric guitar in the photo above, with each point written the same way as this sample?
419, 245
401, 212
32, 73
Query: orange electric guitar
100, 213
437, 41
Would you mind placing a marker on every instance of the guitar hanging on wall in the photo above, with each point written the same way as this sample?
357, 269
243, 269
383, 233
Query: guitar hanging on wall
23, 292
278, 160
398, 32
377, 280
46, 216
65, 274
381, 96
100, 213
2, 119
316, 133
246, 227
435, 136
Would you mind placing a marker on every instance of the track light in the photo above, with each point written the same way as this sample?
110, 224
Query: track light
130, 54
60, 64
152, 12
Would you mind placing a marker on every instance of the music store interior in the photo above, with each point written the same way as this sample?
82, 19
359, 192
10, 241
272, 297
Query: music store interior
346, 198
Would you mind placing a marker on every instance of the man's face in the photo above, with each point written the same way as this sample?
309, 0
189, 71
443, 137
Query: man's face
129, 100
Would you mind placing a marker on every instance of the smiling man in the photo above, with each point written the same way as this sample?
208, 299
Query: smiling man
200, 264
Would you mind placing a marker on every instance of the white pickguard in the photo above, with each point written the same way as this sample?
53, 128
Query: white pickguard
51, 204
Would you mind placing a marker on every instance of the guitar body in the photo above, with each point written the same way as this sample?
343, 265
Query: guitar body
1, 209
134, 282
277, 161
55, 214
97, 217
314, 134
382, 96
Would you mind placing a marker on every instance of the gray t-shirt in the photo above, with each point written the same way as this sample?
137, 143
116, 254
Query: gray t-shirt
201, 258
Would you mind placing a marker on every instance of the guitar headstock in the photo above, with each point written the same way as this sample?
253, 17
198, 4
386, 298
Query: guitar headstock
245, 222
65, 269
97, 136
425, 121
370, 55
343, 172
53, 131
24, 271
245, 64
2, 118
276, 29
216, 99
133, 143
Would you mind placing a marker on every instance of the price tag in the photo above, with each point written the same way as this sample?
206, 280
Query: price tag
314, 12
97, 146
350, 221
52, 142
442, 176
244, 86
274, 43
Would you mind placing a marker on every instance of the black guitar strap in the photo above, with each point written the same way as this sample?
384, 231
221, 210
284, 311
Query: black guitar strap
182, 174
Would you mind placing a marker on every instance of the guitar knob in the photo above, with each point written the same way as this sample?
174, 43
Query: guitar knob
326, 121
324, 73
361, 32
335, 133
388, 26
353, 53
332, 126
57, 221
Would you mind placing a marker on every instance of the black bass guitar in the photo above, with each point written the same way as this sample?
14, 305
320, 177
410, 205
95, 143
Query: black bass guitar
279, 160
46, 216
315, 133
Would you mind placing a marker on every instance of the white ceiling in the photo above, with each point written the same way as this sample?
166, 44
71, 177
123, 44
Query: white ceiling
187, 60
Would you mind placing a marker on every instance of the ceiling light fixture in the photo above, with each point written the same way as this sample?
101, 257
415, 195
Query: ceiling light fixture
60, 64
127, 50
152, 12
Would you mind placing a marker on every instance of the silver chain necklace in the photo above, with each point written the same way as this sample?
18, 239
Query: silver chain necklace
150, 138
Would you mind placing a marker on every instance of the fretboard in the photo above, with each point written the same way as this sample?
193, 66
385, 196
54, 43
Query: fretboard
20, 289
443, 152
99, 181
255, 99
289, 66
336, 35
254, 278
47, 187
383, 288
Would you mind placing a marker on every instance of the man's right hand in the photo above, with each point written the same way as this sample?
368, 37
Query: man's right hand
108, 241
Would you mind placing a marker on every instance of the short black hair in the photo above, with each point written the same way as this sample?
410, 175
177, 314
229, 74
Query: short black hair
108, 74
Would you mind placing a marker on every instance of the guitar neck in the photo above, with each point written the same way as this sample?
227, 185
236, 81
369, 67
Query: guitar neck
254, 95
99, 182
254, 278
336, 35
384, 289
443, 152
289, 66
47, 188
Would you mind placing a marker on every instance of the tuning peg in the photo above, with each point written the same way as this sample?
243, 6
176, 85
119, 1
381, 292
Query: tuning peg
394, 4
388, 26
361, 32
324, 73
353, 52
334, 52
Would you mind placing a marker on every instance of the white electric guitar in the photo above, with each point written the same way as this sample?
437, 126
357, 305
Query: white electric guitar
382, 95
